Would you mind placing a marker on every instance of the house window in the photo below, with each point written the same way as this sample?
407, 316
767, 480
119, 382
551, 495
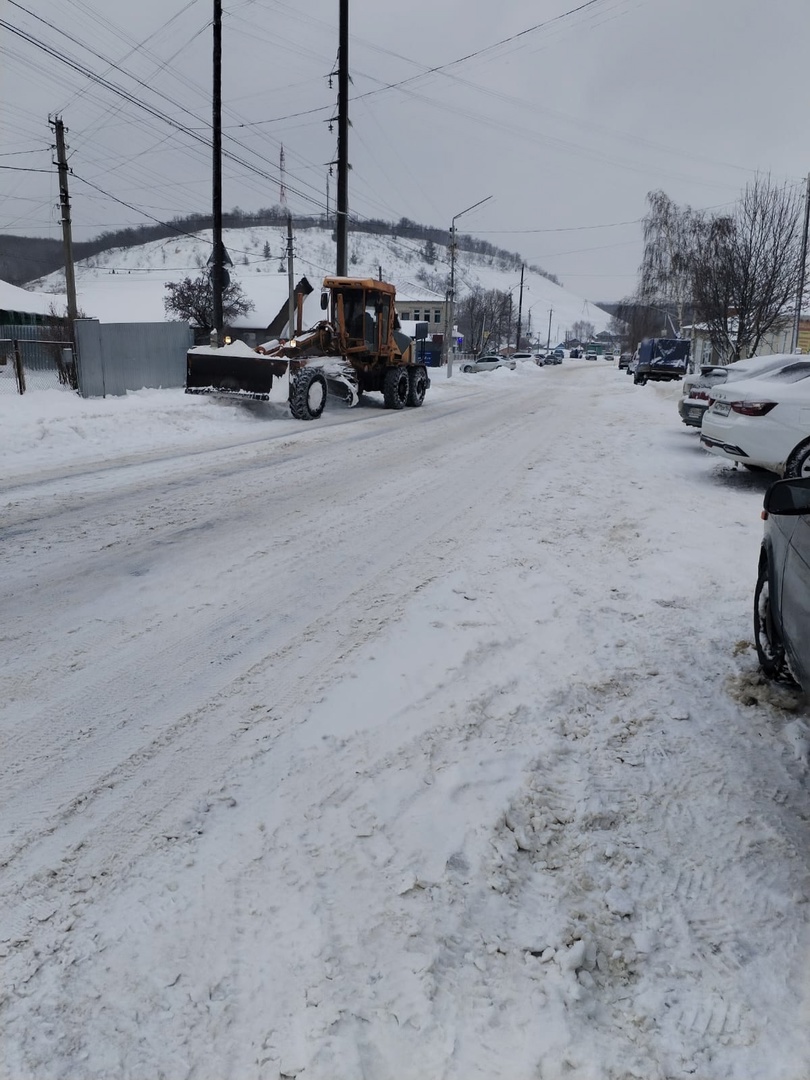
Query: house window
437, 314
406, 315
416, 314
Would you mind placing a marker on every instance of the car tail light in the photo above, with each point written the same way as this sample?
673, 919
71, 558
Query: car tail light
752, 408
701, 395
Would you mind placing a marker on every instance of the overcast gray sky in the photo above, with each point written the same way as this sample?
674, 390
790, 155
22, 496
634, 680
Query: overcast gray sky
579, 111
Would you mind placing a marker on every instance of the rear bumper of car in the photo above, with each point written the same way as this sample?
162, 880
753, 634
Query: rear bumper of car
764, 441
659, 374
718, 446
691, 412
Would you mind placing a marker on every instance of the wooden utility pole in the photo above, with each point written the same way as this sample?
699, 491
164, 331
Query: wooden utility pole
290, 280
218, 264
802, 269
342, 210
67, 236
520, 307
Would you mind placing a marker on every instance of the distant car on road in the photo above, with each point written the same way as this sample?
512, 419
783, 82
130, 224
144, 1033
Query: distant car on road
624, 360
489, 363
524, 356
782, 594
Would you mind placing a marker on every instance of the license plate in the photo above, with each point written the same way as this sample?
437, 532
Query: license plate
722, 408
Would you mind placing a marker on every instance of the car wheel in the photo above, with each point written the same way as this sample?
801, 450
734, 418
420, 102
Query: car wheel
467, 369
798, 464
768, 640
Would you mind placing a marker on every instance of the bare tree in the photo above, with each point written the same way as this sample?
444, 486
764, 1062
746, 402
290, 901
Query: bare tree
641, 321
484, 319
583, 330
665, 274
746, 268
193, 299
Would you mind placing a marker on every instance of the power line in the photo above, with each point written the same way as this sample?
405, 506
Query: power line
150, 109
23, 168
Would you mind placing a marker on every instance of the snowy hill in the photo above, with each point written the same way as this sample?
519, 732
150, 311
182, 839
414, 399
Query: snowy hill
128, 284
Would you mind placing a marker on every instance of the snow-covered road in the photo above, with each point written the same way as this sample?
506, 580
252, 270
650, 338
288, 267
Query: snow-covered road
395, 746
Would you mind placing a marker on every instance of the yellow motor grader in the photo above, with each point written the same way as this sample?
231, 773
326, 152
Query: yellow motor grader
355, 348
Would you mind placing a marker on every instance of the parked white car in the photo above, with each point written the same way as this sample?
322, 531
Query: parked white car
763, 422
489, 363
698, 388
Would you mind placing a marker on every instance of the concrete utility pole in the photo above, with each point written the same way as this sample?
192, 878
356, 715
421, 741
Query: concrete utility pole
67, 236
449, 316
342, 209
217, 266
548, 340
290, 280
802, 269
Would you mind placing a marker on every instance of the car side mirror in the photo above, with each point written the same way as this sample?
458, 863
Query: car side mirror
324, 301
788, 497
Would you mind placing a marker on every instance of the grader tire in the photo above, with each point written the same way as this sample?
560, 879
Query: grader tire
395, 388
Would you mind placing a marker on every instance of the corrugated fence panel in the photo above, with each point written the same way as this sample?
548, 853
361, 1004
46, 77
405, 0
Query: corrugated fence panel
116, 357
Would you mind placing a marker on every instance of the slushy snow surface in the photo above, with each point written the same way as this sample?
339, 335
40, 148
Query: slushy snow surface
396, 745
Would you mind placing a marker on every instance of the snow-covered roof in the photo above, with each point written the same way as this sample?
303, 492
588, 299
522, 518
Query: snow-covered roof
408, 292
13, 298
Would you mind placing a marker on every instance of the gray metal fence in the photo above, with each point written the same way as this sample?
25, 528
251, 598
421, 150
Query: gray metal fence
36, 358
116, 357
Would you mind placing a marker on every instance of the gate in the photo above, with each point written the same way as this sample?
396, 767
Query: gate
117, 357
36, 358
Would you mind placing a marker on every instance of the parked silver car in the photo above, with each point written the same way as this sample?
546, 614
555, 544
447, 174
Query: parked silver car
782, 595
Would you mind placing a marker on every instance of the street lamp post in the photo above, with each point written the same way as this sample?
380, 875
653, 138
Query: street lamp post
449, 317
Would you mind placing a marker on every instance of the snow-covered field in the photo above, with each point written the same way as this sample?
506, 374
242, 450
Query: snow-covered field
393, 745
